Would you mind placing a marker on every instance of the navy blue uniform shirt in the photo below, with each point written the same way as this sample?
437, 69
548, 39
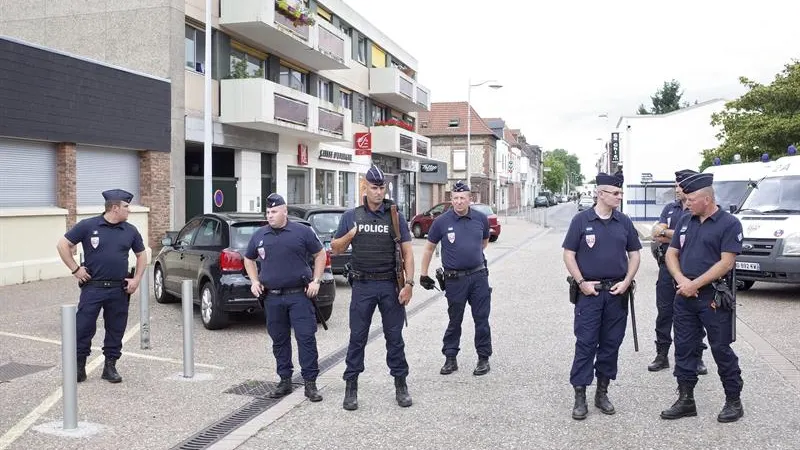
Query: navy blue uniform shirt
106, 246
461, 237
348, 220
670, 215
701, 244
601, 246
283, 254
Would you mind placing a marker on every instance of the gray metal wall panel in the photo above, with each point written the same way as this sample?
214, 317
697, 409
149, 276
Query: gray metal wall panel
100, 169
27, 173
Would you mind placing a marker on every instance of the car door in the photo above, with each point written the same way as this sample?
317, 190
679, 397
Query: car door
431, 215
204, 249
174, 270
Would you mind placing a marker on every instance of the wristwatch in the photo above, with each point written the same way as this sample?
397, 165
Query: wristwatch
410, 283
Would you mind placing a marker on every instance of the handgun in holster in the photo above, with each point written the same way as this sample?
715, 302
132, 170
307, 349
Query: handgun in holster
574, 290
131, 273
348, 273
723, 295
660, 256
440, 278
317, 312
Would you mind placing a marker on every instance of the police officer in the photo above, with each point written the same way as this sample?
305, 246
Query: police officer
285, 280
464, 234
703, 250
601, 252
105, 283
665, 286
374, 281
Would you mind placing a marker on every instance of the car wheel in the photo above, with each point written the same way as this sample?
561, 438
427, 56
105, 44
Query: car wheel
325, 312
159, 290
493, 238
417, 230
743, 285
212, 315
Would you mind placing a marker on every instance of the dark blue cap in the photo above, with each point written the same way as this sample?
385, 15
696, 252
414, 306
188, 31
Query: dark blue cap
604, 179
460, 186
696, 182
375, 176
117, 195
275, 200
683, 174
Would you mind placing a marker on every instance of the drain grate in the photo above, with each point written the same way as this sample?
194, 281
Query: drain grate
13, 370
255, 388
224, 427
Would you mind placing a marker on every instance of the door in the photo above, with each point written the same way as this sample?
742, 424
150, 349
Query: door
424, 197
296, 186
205, 247
174, 270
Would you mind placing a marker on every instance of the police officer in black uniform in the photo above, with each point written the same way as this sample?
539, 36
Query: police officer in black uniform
601, 253
464, 234
665, 286
374, 281
105, 282
283, 249
702, 251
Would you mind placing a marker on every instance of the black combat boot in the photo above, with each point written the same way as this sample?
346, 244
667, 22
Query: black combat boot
401, 392
580, 410
701, 367
110, 371
81, 368
311, 391
483, 366
351, 395
684, 407
284, 388
450, 365
662, 359
601, 397
732, 411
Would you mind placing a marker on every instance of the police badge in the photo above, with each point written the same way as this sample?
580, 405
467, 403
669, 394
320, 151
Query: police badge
683, 239
590, 239
451, 237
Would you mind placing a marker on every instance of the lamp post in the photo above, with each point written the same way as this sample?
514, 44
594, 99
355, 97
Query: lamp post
494, 85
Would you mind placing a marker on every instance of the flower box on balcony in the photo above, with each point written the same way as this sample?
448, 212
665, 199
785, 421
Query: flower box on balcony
294, 11
395, 123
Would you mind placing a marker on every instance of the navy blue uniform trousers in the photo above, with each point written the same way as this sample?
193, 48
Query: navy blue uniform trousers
691, 316
599, 329
665, 303
114, 303
473, 289
366, 295
285, 312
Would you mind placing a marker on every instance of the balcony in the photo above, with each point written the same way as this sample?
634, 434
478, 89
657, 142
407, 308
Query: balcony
262, 105
400, 143
320, 46
398, 90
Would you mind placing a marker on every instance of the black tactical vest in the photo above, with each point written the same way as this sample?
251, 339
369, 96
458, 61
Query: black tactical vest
373, 244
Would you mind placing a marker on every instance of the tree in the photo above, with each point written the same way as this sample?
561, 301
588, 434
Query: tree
571, 164
554, 178
766, 119
666, 99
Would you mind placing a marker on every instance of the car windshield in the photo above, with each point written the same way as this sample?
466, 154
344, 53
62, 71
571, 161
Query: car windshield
541, 197
325, 222
242, 232
780, 195
729, 192
486, 209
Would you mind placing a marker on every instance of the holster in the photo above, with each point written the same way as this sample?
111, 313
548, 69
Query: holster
574, 290
723, 296
440, 278
131, 273
348, 273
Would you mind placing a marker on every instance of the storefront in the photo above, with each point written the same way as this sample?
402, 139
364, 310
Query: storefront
432, 184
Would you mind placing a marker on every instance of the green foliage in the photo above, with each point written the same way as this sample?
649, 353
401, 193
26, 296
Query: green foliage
666, 99
240, 71
766, 119
562, 166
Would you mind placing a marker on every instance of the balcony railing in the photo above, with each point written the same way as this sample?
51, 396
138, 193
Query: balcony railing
406, 88
406, 143
300, 30
331, 44
331, 122
422, 97
422, 148
291, 110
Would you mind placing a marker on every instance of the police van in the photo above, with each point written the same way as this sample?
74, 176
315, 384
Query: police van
770, 217
731, 181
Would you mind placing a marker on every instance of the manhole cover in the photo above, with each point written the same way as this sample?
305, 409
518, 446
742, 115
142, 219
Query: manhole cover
15, 370
255, 388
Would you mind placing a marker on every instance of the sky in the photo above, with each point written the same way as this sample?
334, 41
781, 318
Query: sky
563, 64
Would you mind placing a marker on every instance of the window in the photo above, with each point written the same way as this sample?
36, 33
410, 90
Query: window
347, 100
100, 168
195, 43
459, 160
325, 90
28, 174
453, 123
380, 113
209, 235
362, 49
325, 183
324, 14
347, 189
378, 57
293, 78
361, 111
245, 65
438, 209
187, 233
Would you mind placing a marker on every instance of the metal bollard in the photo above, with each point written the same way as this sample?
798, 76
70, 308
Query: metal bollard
69, 365
187, 305
144, 309
545, 217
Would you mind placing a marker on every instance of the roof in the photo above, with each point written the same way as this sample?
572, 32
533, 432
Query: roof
671, 113
436, 122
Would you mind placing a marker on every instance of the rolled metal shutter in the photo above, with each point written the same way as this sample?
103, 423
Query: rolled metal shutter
100, 169
27, 173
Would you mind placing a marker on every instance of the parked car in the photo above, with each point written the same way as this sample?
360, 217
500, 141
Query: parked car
208, 250
422, 222
541, 201
324, 220
585, 203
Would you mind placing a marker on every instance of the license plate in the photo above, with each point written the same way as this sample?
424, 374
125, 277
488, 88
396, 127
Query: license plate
748, 266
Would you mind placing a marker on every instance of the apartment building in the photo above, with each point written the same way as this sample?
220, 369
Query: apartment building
294, 83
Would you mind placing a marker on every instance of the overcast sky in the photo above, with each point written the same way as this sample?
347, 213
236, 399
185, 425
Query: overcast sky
563, 63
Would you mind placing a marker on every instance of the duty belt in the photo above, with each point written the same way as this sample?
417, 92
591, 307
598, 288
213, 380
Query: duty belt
450, 273
605, 285
105, 283
286, 291
379, 276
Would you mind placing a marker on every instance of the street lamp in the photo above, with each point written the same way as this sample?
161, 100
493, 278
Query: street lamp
494, 85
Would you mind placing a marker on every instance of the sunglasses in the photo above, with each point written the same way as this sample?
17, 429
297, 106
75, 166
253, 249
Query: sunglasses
614, 193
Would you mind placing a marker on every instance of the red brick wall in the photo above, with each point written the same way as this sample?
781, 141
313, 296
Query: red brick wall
154, 190
66, 181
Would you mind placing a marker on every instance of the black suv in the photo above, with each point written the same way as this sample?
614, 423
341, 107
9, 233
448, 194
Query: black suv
324, 219
208, 250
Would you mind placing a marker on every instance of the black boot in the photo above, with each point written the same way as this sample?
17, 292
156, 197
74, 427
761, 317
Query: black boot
684, 407
351, 395
450, 365
601, 397
311, 391
284, 388
701, 367
732, 411
483, 366
401, 392
110, 371
580, 410
81, 368
662, 359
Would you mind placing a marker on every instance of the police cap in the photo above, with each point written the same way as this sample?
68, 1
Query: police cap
275, 200
683, 174
460, 186
117, 195
375, 176
696, 182
604, 179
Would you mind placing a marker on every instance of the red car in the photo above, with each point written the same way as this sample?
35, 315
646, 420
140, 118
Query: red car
421, 223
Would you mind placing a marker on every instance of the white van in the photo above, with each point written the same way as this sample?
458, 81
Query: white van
731, 181
770, 219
